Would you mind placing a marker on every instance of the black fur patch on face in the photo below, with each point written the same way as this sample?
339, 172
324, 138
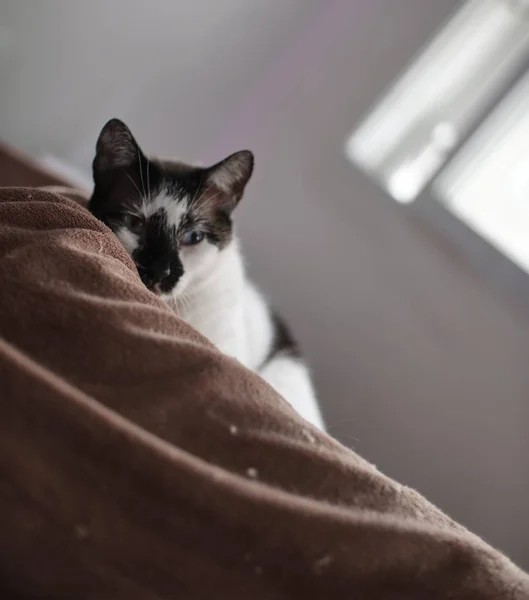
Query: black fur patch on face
126, 182
157, 257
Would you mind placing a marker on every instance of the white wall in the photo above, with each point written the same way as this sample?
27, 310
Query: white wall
175, 70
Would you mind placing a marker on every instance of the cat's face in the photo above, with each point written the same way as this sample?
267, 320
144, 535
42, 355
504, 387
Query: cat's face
172, 218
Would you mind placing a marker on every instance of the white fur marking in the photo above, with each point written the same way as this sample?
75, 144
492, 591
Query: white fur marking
128, 239
175, 209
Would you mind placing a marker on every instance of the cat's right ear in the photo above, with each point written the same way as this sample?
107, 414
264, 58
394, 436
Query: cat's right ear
116, 148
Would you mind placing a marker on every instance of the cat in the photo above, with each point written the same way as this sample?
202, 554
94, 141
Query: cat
175, 221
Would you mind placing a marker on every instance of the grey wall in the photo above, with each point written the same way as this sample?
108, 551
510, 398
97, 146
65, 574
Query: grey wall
420, 363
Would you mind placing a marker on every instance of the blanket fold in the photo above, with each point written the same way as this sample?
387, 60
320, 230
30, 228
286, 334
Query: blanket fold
137, 462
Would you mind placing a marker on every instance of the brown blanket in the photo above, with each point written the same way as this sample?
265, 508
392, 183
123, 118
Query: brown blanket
136, 462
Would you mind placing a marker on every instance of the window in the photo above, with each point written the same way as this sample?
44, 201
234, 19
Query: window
487, 183
428, 112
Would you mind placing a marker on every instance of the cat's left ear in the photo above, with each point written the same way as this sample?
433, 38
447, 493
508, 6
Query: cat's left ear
230, 176
116, 149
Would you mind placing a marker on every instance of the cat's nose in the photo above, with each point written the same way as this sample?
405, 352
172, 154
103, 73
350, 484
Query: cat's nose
159, 270
155, 273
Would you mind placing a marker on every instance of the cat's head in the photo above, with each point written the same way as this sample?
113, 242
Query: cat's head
173, 219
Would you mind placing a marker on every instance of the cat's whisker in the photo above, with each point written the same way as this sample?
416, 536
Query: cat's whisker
133, 183
131, 206
203, 194
204, 208
148, 180
141, 173
188, 302
196, 192
185, 299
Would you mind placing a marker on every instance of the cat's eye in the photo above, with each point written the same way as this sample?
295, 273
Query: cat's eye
191, 238
133, 222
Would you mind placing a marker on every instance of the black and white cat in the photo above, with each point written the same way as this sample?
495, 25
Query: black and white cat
175, 220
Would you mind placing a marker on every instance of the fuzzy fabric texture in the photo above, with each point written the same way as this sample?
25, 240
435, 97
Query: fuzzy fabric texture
137, 462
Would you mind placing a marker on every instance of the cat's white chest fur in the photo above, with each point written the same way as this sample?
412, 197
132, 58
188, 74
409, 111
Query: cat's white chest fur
214, 304
226, 308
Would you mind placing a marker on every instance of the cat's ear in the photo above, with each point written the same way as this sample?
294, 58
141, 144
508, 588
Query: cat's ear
230, 177
116, 148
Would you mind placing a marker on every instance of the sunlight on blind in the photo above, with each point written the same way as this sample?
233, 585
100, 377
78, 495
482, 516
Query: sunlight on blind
415, 128
487, 184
